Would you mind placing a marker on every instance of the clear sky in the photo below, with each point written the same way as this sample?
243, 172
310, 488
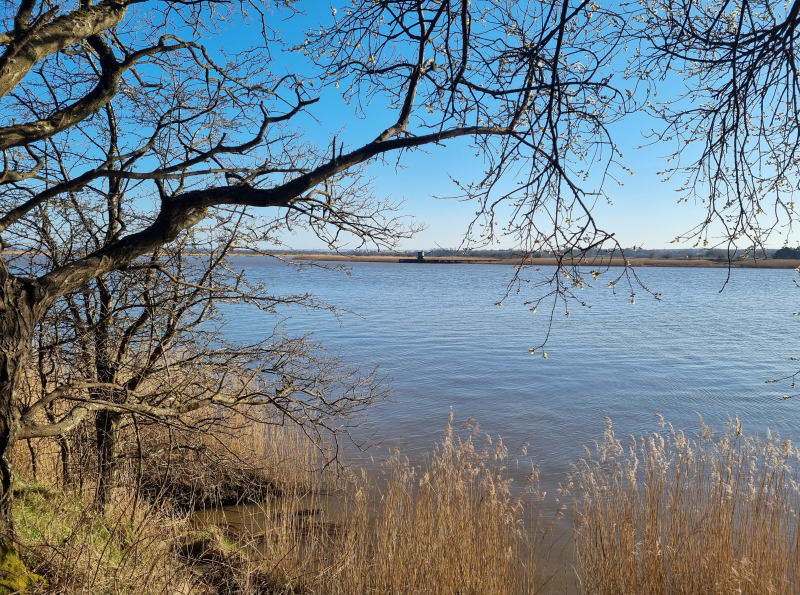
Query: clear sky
645, 210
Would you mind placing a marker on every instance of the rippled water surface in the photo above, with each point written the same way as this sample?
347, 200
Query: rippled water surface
436, 331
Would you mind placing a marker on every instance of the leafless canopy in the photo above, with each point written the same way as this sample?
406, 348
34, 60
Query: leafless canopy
126, 128
126, 123
736, 125
132, 97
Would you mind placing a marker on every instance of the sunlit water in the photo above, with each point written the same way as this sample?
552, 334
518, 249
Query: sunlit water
435, 329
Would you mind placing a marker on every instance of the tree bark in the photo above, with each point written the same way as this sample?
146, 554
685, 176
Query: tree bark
31, 45
106, 428
66, 462
17, 320
34, 460
105, 422
65, 450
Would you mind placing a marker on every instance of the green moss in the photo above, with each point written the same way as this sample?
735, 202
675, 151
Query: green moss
44, 516
14, 577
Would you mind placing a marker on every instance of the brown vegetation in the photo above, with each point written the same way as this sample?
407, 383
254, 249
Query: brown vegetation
671, 513
451, 524
667, 513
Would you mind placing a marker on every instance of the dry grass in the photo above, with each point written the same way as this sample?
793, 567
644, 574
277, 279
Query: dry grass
671, 513
284, 454
154, 546
235, 461
449, 525
667, 513
78, 550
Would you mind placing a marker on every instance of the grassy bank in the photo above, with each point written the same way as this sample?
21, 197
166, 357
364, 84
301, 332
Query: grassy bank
670, 512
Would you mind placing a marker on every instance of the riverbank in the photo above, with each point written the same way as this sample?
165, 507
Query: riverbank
411, 258
598, 262
699, 512
450, 524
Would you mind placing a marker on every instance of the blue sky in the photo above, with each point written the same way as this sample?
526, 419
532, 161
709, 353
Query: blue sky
644, 213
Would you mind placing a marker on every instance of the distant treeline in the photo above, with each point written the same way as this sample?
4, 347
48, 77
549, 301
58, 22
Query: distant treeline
787, 253
667, 253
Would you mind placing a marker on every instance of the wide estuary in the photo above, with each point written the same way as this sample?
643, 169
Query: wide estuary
437, 332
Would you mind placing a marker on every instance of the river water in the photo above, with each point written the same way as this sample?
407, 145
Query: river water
436, 331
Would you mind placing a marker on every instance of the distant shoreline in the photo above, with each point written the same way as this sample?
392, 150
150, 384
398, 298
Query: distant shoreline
767, 263
598, 262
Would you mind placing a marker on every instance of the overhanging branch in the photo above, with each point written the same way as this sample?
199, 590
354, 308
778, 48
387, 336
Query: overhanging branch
185, 210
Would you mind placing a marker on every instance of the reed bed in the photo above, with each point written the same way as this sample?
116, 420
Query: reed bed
450, 524
670, 512
673, 513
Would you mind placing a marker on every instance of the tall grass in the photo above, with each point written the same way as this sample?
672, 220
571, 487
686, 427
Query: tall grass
672, 513
78, 550
666, 513
451, 524
154, 545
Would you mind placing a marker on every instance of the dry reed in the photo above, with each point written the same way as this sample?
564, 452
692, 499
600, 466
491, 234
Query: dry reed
670, 513
449, 525
666, 513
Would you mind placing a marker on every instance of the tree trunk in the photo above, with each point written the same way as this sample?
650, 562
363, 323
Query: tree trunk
34, 460
9, 373
16, 333
106, 428
17, 320
67, 481
65, 451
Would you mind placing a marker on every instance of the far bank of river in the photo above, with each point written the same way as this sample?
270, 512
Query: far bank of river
767, 263
596, 262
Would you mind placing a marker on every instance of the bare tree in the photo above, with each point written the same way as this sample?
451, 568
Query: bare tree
738, 116
146, 342
124, 93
